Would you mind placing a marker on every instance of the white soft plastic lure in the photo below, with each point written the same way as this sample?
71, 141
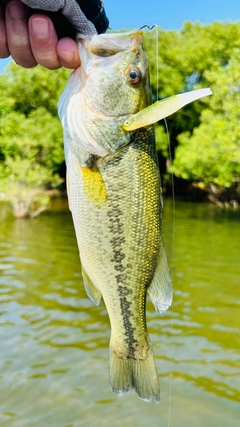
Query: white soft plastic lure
161, 109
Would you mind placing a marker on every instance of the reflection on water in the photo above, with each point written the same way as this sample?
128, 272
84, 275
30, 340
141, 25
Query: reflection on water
54, 342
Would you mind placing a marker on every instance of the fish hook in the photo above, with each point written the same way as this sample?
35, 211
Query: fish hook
148, 26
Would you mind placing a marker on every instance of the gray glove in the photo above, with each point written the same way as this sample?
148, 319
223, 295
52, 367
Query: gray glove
85, 16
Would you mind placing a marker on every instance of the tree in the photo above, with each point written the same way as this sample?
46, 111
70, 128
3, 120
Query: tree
31, 147
203, 135
211, 154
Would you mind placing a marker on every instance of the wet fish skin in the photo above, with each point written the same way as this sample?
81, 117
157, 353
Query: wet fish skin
116, 206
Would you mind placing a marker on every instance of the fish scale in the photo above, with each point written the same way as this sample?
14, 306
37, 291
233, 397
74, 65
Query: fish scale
129, 229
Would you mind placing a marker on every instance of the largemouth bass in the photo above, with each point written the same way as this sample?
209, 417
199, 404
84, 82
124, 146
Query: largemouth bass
114, 195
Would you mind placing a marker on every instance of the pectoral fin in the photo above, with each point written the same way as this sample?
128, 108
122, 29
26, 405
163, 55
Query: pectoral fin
160, 290
94, 185
93, 293
68, 189
161, 109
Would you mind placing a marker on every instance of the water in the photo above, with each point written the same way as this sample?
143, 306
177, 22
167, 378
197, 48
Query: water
54, 342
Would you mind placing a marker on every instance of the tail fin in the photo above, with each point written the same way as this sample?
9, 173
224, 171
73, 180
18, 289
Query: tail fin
128, 373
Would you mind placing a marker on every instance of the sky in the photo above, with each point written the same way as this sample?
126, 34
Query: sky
169, 14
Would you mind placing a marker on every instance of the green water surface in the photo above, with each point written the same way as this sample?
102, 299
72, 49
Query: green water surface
54, 341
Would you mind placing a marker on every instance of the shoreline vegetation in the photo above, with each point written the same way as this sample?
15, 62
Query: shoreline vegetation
41, 201
204, 136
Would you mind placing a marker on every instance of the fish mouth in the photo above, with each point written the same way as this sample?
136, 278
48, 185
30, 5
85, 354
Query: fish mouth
111, 43
112, 34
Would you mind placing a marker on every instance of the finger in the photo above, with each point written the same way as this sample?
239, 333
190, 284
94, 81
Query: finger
4, 51
68, 53
17, 34
43, 40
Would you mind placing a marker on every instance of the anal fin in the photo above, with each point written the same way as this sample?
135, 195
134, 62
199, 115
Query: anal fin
160, 290
93, 293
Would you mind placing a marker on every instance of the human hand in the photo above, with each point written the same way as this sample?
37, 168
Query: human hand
33, 40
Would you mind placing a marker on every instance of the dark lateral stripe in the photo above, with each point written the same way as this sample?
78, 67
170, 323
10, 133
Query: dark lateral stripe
117, 229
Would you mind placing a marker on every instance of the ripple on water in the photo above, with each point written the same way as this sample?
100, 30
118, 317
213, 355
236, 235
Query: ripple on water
54, 341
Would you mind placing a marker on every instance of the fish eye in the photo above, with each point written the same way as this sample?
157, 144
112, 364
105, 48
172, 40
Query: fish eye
134, 75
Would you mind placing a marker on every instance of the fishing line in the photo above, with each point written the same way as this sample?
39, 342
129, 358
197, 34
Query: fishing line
156, 43
173, 220
156, 46
173, 215
172, 268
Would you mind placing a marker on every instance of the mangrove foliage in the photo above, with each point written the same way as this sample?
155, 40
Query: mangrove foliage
204, 136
